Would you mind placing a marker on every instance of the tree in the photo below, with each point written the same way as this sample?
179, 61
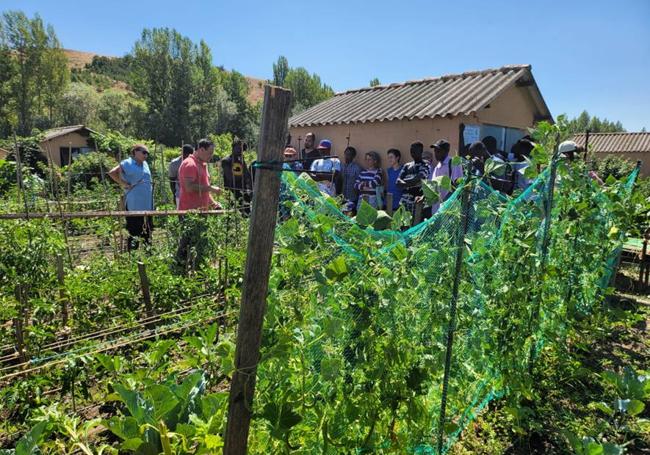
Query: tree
584, 122
280, 71
307, 89
205, 95
78, 105
162, 77
375, 82
36, 65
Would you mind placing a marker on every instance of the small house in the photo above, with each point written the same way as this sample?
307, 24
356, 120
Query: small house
631, 146
500, 102
61, 145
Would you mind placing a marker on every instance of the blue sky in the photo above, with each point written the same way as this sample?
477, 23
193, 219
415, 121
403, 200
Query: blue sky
592, 55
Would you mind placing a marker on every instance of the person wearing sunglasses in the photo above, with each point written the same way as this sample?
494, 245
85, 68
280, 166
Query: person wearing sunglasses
134, 176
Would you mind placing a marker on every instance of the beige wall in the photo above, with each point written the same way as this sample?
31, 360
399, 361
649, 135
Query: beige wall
513, 108
644, 157
381, 136
74, 140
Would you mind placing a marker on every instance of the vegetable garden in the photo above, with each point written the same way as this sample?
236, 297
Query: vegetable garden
377, 338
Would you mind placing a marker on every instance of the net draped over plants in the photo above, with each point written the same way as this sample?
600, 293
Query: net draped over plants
390, 341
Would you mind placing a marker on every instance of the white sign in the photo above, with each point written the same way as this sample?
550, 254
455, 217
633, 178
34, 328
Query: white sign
472, 133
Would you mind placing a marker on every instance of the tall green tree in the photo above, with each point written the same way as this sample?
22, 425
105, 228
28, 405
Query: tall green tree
36, 64
205, 94
280, 71
162, 76
375, 82
307, 89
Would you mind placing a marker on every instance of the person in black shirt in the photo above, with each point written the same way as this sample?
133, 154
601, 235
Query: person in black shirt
236, 175
309, 153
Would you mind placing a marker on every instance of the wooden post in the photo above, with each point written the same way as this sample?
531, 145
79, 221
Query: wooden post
60, 276
266, 194
417, 215
389, 203
146, 293
19, 323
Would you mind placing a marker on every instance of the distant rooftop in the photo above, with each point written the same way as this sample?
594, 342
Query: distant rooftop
615, 142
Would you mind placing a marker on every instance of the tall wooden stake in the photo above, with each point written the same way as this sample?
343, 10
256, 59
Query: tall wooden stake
146, 293
275, 114
60, 276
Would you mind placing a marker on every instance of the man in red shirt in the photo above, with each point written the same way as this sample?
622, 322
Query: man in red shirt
196, 193
194, 179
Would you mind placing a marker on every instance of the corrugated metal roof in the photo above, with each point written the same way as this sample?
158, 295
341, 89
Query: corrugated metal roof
615, 142
442, 96
63, 130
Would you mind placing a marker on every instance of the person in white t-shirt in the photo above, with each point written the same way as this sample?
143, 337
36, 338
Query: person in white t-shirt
326, 171
444, 167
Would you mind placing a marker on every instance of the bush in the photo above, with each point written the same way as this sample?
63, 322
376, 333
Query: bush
7, 176
613, 165
86, 170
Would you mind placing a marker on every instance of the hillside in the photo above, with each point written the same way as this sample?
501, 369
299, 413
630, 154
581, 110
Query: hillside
79, 59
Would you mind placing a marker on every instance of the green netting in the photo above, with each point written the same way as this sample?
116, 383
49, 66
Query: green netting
392, 342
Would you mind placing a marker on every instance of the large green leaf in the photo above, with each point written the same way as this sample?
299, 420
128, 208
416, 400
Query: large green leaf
163, 400
366, 215
28, 444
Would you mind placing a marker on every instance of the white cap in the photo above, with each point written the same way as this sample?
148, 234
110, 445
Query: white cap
568, 147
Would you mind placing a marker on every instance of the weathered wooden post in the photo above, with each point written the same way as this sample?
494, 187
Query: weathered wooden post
389, 203
60, 276
277, 102
417, 215
144, 286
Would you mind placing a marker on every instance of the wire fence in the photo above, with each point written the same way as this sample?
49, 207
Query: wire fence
407, 335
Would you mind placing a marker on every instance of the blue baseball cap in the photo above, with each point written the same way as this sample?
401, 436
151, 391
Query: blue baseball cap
325, 144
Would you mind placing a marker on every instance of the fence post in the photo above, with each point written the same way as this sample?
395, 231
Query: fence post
275, 114
389, 203
144, 285
451, 329
417, 215
546, 233
19, 323
60, 276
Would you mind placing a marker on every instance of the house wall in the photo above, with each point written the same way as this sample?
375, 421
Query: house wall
381, 136
513, 108
53, 146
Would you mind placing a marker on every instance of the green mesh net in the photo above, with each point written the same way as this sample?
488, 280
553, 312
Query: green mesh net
390, 341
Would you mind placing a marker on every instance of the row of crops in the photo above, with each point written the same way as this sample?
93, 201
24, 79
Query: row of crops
374, 341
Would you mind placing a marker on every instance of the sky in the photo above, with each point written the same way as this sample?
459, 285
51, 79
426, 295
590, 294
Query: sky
592, 55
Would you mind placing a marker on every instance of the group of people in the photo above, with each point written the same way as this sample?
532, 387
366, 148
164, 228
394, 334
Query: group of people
399, 183
189, 180
402, 183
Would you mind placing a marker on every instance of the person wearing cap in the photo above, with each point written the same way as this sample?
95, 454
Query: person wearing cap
309, 154
290, 162
174, 165
411, 177
444, 167
327, 171
134, 176
569, 150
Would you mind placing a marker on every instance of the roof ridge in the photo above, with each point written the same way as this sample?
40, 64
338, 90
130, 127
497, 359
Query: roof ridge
444, 77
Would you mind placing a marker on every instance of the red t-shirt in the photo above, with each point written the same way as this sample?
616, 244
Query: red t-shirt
196, 171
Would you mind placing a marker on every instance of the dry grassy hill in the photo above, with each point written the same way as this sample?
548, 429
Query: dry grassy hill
79, 59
